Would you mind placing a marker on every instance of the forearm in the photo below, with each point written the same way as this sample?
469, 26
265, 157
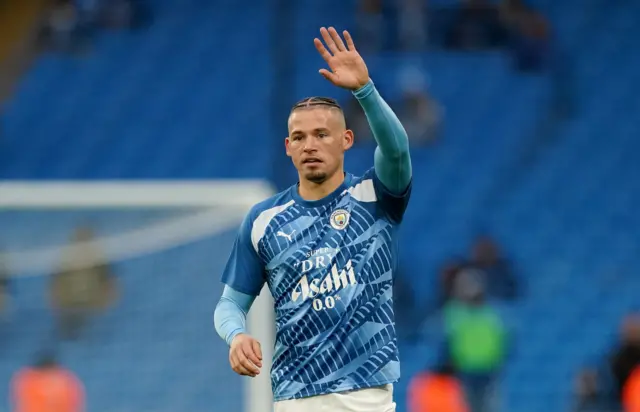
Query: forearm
392, 161
230, 316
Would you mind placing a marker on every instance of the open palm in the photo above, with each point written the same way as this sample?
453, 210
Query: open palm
348, 69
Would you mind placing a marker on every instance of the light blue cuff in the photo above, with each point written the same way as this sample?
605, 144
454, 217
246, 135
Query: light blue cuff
364, 91
230, 316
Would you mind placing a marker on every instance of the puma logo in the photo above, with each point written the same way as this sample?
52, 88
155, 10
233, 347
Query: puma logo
284, 235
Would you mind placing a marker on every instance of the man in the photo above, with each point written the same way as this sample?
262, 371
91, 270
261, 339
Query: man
607, 387
325, 247
47, 387
631, 391
5, 296
495, 269
627, 356
436, 391
477, 341
77, 292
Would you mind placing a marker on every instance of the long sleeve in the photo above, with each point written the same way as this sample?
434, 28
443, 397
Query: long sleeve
392, 161
230, 316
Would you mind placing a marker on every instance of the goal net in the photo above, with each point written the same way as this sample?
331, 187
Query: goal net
119, 280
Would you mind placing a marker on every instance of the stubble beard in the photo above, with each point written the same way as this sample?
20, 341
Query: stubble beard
317, 177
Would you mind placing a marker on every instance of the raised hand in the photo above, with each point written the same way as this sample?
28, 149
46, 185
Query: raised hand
348, 69
245, 355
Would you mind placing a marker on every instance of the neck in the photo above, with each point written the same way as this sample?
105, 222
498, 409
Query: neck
315, 191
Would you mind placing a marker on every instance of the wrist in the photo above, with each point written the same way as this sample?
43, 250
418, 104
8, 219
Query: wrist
364, 91
234, 335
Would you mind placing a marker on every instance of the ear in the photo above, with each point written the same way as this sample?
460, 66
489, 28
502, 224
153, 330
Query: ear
347, 139
287, 142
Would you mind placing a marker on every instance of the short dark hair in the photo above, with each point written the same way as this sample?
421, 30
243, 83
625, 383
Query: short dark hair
46, 359
316, 101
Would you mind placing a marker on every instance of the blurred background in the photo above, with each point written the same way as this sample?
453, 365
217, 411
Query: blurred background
518, 289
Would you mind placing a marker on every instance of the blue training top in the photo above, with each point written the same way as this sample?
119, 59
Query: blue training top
329, 265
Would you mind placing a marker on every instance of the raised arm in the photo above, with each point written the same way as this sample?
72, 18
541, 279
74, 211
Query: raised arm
349, 71
392, 160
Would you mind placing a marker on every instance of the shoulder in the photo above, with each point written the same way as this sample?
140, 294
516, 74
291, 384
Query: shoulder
271, 206
21, 376
368, 175
261, 214
369, 188
74, 381
363, 188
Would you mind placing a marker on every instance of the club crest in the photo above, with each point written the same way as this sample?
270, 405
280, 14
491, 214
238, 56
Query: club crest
339, 219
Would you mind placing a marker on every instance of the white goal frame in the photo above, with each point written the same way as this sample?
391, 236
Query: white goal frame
238, 196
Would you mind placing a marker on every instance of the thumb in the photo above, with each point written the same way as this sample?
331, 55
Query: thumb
332, 77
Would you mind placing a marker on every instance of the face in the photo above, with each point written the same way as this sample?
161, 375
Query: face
317, 141
631, 330
83, 234
485, 251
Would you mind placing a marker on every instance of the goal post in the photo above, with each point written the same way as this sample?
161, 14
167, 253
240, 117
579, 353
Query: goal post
139, 218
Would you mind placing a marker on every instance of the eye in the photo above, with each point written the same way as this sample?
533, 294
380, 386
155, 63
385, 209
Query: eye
322, 134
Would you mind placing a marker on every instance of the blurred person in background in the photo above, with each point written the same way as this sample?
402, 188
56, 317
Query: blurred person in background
412, 25
371, 25
436, 391
4, 287
448, 274
529, 35
420, 113
590, 396
499, 280
119, 15
476, 26
626, 358
60, 31
83, 286
631, 392
126, 14
89, 13
605, 388
70, 24
47, 387
476, 341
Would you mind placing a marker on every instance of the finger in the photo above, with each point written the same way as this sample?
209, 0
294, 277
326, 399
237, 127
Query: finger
257, 349
336, 39
237, 366
233, 359
322, 50
250, 353
328, 75
329, 41
254, 354
350, 44
250, 366
241, 370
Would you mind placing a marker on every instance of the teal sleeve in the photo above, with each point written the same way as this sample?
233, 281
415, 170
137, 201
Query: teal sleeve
392, 162
230, 316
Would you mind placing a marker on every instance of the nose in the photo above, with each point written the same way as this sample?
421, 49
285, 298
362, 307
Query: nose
310, 146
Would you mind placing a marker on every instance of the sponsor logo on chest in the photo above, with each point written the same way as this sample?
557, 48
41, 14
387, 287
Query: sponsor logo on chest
334, 280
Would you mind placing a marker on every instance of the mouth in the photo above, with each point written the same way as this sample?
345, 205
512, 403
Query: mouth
311, 160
